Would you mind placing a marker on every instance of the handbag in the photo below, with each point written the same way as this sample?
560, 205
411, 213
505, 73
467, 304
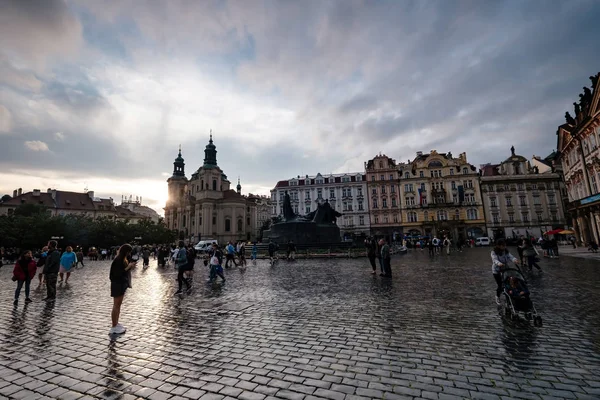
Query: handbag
14, 278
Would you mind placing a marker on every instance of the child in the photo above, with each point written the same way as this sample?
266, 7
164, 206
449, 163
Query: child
516, 288
215, 264
254, 253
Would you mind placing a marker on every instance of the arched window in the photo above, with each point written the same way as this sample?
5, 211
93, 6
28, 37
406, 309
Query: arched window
407, 175
457, 214
442, 216
465, 170
227, 224
472, 214
240, 224
412, 216
202, 184
426, 216
214, 184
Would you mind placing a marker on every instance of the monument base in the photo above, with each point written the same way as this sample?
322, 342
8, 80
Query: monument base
301, 232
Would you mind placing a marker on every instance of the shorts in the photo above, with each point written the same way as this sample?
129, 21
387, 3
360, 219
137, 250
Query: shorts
118, 288
64, 270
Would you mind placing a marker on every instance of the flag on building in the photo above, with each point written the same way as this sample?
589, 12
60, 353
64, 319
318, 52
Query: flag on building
420, 196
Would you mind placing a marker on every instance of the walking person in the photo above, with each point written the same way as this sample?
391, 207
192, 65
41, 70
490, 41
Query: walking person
120, 281
446, 244
272, 249
40, 265
291, 251
67, 261
254, 255
79, 255
146, 257
181, 262
230, 255
189, 268
378, 256
531, 253
216, 260
386, 258
520, 250
431, 247
500, 257
23, 273
51, 269
371, 249
242, 254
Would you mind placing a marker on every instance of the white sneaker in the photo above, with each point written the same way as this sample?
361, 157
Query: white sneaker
497, 300
117, 330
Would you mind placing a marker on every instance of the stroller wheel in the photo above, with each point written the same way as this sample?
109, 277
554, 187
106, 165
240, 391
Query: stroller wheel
514, 317
528, 316
537, 321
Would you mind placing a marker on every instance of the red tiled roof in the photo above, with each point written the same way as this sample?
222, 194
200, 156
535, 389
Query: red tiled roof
232, 194
73, 201
44, 199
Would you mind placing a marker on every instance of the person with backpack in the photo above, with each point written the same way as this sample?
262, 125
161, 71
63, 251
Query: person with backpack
23, 273
371, 249
189, 268
386, 259
51, 269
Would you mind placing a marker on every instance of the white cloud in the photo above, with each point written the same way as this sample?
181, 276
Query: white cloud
59, 136
5, 119
36, 145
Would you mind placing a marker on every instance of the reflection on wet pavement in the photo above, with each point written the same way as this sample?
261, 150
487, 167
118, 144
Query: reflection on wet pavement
311, 329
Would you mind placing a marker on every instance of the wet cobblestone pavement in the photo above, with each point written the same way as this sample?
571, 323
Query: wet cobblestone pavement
308, 330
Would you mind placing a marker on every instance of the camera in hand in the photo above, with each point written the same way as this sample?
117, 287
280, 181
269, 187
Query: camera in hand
135, 257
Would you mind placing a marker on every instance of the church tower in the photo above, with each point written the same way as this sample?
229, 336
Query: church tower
210, 154
177, 182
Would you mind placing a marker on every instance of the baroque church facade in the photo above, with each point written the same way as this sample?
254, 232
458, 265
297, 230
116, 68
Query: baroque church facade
205, 206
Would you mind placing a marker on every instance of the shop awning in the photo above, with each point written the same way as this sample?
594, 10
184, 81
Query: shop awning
567, 232
553, 232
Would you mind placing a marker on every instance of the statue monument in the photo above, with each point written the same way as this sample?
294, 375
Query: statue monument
315, 227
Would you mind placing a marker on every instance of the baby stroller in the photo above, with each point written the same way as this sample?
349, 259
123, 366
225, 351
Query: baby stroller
515, 304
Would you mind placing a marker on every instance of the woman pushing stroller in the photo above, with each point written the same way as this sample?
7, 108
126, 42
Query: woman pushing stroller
500, 257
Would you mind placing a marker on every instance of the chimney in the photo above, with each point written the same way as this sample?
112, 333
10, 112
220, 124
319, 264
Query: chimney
49, 190
20, 191
91, 194
36, 192
14, 194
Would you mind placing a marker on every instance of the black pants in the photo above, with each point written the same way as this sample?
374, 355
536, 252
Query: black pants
531, 262
51, 285
498, 278
230, 257
79, 261
180, 279
387, 267
372, 261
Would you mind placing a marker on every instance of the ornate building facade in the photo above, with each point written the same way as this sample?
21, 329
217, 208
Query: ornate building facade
383, 195
346, 194
520, 199
205, 206
440, 196
578, 141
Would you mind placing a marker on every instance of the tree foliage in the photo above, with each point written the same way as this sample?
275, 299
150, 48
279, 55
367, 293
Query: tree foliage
31, 226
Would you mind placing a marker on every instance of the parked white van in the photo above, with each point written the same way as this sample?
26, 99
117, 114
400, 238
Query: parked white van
203, 245
482, 241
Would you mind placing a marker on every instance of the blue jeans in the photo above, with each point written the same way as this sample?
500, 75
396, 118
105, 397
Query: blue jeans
20, 285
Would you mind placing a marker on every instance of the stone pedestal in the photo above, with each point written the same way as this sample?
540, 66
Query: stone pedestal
303, 233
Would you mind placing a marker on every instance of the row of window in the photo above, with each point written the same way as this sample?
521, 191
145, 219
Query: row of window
240, 223
408, 175
524, 217
350, 219
322, 181
440, 215
523, 201
346, 192
520, 187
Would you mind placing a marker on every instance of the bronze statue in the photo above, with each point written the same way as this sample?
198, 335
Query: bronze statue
577, 109
587, 95
288, 211
512, 150
570, 120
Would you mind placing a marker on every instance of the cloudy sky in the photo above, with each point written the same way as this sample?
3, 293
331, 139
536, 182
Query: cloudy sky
101, 93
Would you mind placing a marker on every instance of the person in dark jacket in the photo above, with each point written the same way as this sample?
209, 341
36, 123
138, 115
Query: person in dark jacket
386, 258
51, 270
371, 249
120, 276
24, 272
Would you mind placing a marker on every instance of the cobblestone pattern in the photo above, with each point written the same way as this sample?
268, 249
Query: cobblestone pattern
308, 330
